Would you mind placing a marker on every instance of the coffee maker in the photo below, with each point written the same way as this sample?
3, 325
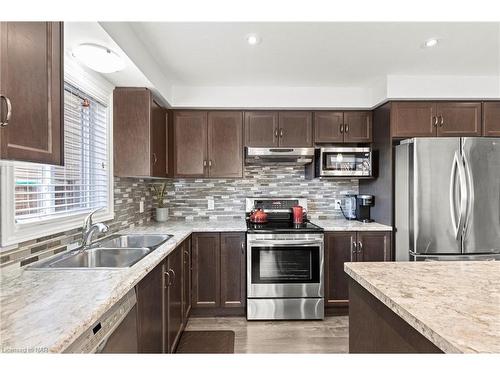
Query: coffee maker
363, 204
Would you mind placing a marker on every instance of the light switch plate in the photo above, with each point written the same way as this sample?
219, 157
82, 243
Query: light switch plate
141, 207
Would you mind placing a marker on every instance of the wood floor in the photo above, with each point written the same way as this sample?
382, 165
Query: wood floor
327, 336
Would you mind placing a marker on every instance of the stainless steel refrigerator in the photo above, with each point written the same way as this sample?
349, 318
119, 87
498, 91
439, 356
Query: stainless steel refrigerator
447, 196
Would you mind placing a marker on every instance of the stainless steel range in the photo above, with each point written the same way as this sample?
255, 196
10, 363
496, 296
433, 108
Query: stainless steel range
284, 263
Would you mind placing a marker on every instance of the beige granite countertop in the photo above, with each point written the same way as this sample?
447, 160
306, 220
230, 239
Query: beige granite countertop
456, 305
349, 225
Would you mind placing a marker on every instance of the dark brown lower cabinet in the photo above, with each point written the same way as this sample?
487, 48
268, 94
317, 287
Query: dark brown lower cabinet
218, 273
341, 247
150, 311
173, 313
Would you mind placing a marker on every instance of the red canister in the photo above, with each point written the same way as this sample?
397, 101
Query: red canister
298, 214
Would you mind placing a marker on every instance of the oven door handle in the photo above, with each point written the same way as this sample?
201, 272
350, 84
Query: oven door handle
273, 243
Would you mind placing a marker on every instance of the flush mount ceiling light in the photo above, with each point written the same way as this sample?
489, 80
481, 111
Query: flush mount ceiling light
98, 58
253, 39
432, 42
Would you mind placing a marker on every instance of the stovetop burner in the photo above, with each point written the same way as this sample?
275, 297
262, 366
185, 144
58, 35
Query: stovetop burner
282, 226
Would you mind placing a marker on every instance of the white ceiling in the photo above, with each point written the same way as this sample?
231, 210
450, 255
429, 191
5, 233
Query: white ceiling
316, 54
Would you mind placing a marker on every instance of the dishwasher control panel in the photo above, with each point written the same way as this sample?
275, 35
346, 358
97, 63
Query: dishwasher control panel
96, 336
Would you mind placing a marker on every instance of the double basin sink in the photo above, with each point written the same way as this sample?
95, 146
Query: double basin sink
116, 251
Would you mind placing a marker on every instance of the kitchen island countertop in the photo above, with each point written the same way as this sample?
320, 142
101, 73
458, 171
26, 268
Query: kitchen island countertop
455, 305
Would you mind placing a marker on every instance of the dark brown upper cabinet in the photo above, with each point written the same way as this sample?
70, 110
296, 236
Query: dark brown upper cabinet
278, 129
458, 119
139, 133
431, 119
343, 127
491, 119
261, 129
341, 247
328, 127
190, 143
225, 144
358, 127
295, 129
31, 92
208, 144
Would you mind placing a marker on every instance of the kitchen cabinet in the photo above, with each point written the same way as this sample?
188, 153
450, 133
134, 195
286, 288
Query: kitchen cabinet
341, 247
278, 129
186, 279
261, 129
206, 270
31, 92
208, 144
295, 129
233, 270
491, 119
140, 131
173, 312
150, 322
431, 119
218, 273
343, 127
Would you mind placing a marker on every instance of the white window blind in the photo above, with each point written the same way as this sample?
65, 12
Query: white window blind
44, 191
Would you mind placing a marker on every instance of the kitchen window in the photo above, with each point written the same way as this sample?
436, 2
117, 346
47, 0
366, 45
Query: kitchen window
44, 199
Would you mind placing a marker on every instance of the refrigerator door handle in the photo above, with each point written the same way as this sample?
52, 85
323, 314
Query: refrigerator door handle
458, 227
470, 193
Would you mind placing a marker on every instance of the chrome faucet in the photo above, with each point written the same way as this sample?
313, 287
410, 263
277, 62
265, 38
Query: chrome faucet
89, 229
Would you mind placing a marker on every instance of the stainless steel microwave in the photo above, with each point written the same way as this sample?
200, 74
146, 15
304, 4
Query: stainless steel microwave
344, 162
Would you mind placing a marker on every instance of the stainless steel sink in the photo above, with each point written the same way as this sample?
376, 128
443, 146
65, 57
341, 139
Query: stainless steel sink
116, 251
133, 240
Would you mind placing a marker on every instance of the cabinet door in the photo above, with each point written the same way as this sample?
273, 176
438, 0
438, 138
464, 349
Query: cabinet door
295, 129
339, 248
31, 78
225, 144
261, 129
459, 119
158, 140
150, 322
358, 127
186, 277
328, 127
413, 119
374, 247
174, 307
190, 143
131, 132
233, 268
206, 270
491, 119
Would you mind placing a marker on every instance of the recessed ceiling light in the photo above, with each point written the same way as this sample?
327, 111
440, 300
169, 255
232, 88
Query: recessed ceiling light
98, 58
253, 39
432, 42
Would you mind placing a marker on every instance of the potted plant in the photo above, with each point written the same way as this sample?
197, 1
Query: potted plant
159, 193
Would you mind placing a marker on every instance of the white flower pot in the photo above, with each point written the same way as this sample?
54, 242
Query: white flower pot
161, 214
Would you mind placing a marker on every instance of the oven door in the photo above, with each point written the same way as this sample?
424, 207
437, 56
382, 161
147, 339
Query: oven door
285, 268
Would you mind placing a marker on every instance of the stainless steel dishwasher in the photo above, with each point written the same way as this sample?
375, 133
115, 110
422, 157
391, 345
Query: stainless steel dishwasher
114, 332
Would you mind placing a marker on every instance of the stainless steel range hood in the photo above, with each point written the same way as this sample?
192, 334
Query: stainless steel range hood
281, 155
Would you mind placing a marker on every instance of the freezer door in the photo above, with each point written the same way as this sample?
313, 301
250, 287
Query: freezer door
482, 166
435, 196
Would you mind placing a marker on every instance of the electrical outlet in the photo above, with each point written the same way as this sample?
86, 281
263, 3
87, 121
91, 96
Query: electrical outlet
211, 203
141, 207
338, 203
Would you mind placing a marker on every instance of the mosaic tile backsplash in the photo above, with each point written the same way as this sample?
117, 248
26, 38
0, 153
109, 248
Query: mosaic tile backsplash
128, 193
188, 199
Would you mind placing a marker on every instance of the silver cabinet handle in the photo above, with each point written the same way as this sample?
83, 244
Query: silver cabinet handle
346, 128
341, 128
354, 249
281, 133
210, 163
204, 163
360, 247
186, 257
441, 122
4, 123
435, 121
167, 274
173, 273
155, 158
243, 247
276, 133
